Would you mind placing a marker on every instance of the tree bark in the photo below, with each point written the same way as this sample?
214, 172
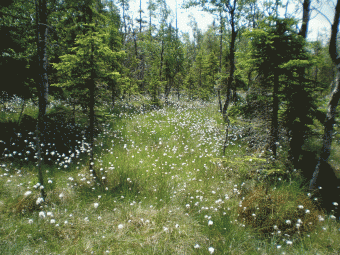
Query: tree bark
113, 94
91, 86
42, 82
161, 61
220, 67
297, 135
123, 3
22, 111
91, 106
150, 19
135, 42
274, 124
140, 16
231, 62
219, 100
328, 131
332, 105
305, 18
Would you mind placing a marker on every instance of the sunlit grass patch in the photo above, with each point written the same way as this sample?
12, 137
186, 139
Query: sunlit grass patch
163, 188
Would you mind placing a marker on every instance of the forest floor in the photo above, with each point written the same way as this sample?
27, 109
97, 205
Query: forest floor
165, 188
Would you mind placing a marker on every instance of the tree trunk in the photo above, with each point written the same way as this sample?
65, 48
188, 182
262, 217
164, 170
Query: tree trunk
297, 134
161, 66
331, 111
232, 65
22, 111
274, 124
124, 21
140, 16
42, 82
328, 130
91, 106
316, 77
135, 42
91, 86
221, 40
150, 19
113, 95
220, 67
74, 112
219, 100
305, 18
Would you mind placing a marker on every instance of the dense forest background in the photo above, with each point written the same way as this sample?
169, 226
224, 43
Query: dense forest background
77, 61
254, 57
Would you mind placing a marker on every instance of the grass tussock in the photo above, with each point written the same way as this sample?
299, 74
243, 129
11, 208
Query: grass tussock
282, 211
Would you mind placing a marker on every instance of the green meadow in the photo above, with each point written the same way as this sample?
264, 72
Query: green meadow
163, 187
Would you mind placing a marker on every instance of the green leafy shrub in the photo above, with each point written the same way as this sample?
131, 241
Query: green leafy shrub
235, 111
255, 104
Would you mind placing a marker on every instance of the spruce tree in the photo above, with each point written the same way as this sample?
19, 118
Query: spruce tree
90, 63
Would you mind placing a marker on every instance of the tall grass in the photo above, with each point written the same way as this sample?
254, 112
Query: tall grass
164, 188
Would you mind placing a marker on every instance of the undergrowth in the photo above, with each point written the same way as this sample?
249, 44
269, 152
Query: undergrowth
164, 188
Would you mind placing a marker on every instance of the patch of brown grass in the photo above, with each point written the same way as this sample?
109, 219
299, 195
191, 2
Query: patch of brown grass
282, 211
26, 204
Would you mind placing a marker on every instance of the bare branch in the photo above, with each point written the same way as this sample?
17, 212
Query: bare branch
319, 12
305, 18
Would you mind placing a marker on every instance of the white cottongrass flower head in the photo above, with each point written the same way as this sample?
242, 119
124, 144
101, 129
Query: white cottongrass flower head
289, 242
27, 193
211, 250
197, 246
95, 205
42, 214
36, 185
39, 200
210, 222
120, 226
320, 218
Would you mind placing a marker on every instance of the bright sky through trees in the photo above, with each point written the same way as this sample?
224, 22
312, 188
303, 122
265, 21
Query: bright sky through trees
322, 15
321, 11
203, 19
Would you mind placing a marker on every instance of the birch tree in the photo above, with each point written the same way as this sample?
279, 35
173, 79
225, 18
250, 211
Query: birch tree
323, 176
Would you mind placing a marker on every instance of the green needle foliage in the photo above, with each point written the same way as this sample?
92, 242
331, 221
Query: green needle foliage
279, 56
91, 58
